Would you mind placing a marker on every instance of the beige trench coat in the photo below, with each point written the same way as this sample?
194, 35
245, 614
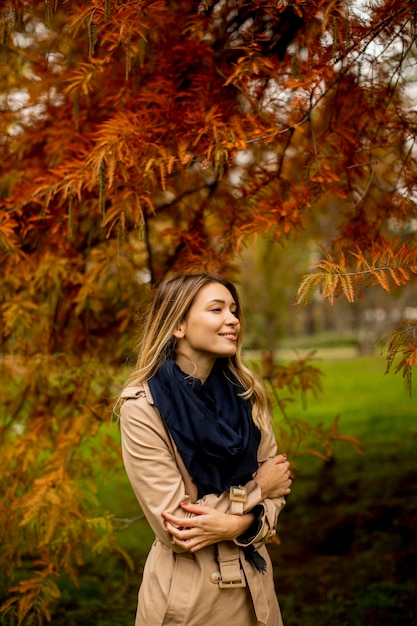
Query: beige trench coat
180, 588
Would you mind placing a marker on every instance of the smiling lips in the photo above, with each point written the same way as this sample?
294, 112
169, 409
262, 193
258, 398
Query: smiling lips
231, 336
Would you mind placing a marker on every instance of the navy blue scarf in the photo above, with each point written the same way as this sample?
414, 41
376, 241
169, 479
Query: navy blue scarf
211, 425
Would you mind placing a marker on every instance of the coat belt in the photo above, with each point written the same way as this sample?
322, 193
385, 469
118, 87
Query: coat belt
232, 575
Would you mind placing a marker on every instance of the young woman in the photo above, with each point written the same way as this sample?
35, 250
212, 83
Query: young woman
200, 454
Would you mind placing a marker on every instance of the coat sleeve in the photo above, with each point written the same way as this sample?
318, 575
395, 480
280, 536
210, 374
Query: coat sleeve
151, 466
269, 508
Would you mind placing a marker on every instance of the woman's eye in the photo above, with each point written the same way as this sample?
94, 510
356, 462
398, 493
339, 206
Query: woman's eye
219, 310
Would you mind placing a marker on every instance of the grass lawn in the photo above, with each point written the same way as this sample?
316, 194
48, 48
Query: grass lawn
348, 551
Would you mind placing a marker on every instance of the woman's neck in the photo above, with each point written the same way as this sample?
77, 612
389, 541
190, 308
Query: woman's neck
200, 370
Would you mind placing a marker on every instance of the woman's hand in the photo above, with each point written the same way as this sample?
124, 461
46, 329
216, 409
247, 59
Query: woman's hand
273, 477
207, 526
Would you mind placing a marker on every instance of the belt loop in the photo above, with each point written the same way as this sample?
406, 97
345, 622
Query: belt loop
238, 496
231, 573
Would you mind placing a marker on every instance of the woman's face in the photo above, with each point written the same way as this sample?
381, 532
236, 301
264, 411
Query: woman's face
211, 328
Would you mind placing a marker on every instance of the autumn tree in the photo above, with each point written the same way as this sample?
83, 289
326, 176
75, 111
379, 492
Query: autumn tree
147, 136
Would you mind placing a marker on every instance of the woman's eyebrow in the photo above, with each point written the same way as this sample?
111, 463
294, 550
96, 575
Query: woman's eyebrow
220, 301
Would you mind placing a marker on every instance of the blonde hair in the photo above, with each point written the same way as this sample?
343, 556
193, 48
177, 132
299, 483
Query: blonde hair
172, 300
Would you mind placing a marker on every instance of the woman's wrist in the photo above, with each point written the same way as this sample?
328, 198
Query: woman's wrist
253, 530
244, 523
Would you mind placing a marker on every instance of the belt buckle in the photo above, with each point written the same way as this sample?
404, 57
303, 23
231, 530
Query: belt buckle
234, 583
238, 494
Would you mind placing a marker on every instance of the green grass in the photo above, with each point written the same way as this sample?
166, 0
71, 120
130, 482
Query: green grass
348, 552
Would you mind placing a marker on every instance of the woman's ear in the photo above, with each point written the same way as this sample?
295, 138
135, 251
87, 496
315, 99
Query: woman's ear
180, 331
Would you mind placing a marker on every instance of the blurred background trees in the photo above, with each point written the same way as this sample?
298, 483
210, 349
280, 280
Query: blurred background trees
139, 138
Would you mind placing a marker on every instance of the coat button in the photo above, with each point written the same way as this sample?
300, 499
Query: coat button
215, 577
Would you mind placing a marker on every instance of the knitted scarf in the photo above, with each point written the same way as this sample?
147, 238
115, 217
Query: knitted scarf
211, 425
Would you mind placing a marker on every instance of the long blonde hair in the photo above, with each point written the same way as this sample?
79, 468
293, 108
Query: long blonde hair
172, 300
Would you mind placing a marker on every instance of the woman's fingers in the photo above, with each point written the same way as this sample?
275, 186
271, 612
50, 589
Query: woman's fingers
191, 539
180, 532
274, 477
181, 522
196, 509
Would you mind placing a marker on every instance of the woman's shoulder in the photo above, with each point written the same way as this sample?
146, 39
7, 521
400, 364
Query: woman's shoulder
137, 404
139, 414
139, 392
